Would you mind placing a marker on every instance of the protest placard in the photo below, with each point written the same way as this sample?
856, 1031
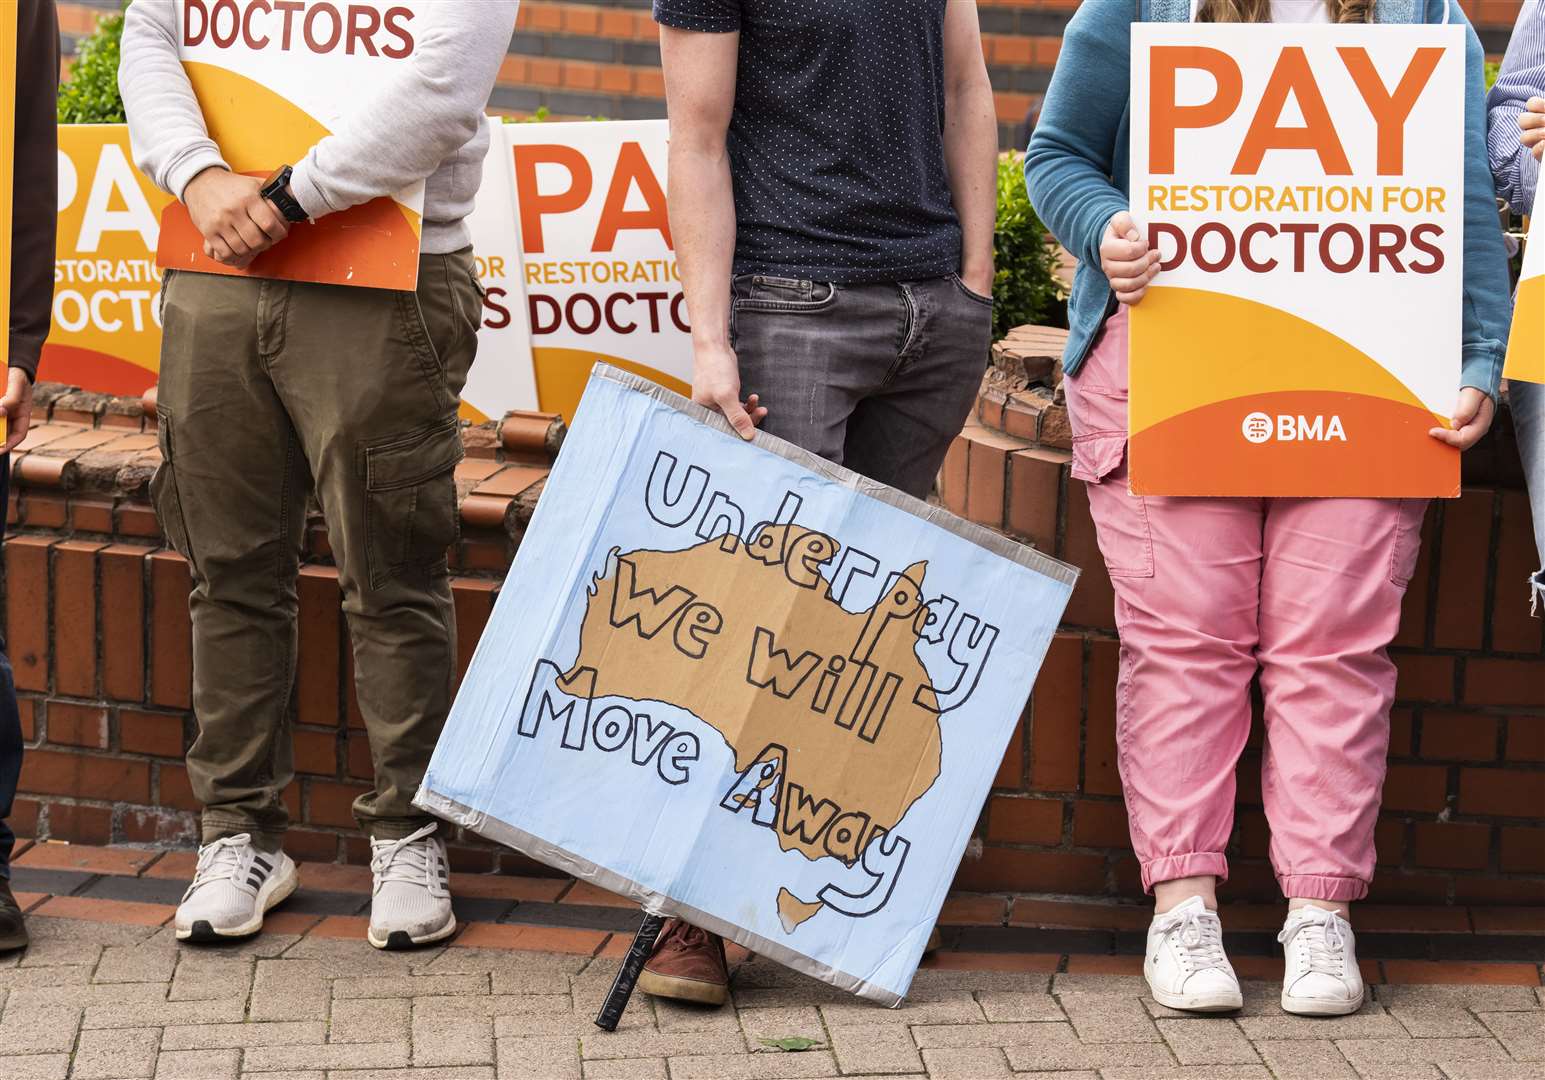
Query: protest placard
740, 684
600, 266
1526, 345
1305, 187
106, 332
8, 13
272, 81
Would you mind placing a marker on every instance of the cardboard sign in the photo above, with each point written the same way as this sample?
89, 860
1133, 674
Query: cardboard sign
1526, 345
600, 267
742, 685
106, 333
1305, 187
272, 81
8, 13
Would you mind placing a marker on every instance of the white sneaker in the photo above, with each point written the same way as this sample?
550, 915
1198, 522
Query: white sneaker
1185, 965
411, 897
233, 888
1322, 977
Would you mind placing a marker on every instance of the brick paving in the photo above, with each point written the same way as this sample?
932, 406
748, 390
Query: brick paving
121, 999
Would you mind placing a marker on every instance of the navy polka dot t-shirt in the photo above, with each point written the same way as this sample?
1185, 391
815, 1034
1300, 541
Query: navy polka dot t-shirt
836, 144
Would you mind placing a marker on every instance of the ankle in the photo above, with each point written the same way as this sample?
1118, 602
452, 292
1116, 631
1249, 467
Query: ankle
1340, 907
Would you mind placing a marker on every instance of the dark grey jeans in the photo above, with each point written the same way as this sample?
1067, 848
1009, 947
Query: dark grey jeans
879, 378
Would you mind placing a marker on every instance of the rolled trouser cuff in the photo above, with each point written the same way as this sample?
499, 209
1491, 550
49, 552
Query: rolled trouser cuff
218, 827
1191, 864
1322, 887
397, 828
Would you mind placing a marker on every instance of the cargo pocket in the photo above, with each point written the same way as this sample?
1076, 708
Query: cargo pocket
1408, 541
163, 492
410, 493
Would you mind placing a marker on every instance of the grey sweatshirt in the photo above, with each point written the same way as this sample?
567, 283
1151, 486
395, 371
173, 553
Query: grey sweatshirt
424, 123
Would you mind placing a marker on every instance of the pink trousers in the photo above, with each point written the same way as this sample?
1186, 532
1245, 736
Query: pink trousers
1210, 591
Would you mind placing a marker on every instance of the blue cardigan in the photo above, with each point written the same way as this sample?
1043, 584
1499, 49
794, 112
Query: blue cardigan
1078, 173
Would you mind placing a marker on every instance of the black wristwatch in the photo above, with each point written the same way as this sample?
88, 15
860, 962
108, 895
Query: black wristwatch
276, 189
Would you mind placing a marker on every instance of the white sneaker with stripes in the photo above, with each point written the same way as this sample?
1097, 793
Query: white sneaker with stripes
233, 887
410, 902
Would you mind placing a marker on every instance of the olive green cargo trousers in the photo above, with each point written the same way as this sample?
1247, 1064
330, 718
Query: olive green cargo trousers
271, 390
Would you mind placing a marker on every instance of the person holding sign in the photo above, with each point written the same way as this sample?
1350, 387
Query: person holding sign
1516, 119
833, 198
33, 179
273, 389
1212, 590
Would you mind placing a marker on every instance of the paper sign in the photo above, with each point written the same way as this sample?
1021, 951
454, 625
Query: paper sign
1305, 187
106, 333
8, 14
1526, 346
600, 268
745, 686
272, 81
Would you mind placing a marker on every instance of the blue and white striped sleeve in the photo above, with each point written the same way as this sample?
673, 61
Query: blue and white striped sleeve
1517, 171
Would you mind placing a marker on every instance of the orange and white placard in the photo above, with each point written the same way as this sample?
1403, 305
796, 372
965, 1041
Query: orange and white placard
1526, 345
600, 268
272, 81
1305, 188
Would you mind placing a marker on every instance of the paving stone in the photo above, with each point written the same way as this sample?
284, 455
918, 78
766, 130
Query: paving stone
588, 994
1054, 1046
355, 956
930, 980
130, 1014
289, 1074
969, 1063
1522, 1033
1212, 1041
1414, 1051
14, 978
234, 1035
203, 976
626, 1069
443, 1039
876, 1049
1439, 1023
489, 1005
74, 996
289, 990
384, 1055
386, 986
459, 1072
673, 1016
1122, 985
772, 1066
59, 952
1407, 1071
1004, 1006
1260, 999
35, 1066
1491, 1070
262, 946
50, 1029
1099, 1018
543, 1057
632, 1044
366, 1020
1466, 996
930, 1007
135, 963
119, 1054
1190, 1072
789, 1022
198, 1065
1305, 1059
1369, 1022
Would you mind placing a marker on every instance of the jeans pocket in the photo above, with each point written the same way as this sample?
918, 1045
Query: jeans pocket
1407, 547
163, 492
760, 292
970, 294
410, 500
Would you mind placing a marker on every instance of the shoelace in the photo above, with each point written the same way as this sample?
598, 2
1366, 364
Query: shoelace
688, 936
224, 859
1200, 936
1326, 947
408, 860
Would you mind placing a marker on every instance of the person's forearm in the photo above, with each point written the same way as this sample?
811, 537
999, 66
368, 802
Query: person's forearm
971, 155
170, 141
702, 205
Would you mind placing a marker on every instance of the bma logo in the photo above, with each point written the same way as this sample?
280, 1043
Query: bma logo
1260, 427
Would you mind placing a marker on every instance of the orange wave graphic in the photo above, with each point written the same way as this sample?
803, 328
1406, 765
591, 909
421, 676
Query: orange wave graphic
95, 370
1248, 349
374, 244
1526, 346
1387, 452
561, 375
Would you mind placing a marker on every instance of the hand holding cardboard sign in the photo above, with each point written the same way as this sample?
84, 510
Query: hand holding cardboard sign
1472, 419
716, 383
1128, 263
1532, 120
232, 216
17, 407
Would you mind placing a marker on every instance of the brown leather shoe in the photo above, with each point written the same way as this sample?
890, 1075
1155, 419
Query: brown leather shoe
13, 928
688, 964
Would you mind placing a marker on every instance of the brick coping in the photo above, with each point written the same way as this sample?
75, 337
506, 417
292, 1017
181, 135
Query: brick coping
130, 886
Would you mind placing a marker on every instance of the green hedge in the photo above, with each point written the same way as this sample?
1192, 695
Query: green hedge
91, 95
1025, 288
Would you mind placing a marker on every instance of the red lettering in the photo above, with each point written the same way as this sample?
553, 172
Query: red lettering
1385, 242
538, 301
1175, 233
1213, 228
1300, 234
309, 26
252, 41
396, 18
289, 8
611, 315
1341, 228
490, 301
188, 36
1419, 240
595, 311
362, 34
1247, 254
678, 313
227, 40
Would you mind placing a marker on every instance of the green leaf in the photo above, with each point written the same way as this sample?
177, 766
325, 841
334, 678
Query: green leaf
792, 1044
91, 94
